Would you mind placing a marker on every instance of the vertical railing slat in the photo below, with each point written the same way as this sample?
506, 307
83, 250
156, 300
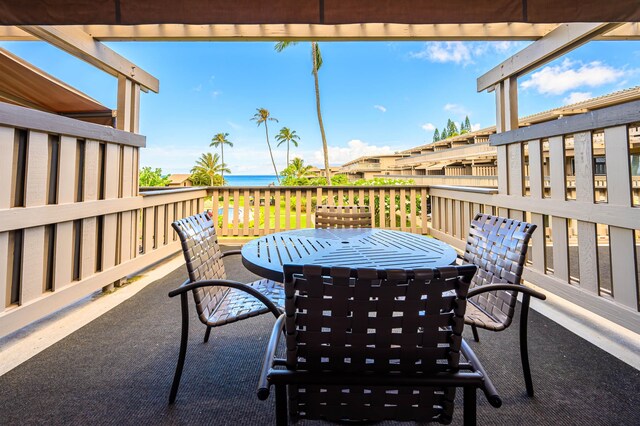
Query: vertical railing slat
225, 212
403, 210
236, 213
32, 284
298, 209
246, 210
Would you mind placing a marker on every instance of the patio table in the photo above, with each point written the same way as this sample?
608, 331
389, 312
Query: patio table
354, 248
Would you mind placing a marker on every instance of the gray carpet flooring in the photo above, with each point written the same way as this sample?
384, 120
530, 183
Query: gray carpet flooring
117, 370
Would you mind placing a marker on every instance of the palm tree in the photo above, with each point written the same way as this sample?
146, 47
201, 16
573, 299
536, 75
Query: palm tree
263, 116
298, 168
208, 164
289, 136
220, 140
316, 58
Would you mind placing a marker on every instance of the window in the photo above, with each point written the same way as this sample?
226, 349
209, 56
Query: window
599, 166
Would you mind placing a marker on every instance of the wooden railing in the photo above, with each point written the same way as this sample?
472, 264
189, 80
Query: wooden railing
71, 218
72, 221
254, 211
583, 250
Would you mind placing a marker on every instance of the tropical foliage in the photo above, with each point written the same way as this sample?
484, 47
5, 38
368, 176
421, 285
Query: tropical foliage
220, 140
207, 168
263, 115
287, 136
316, 61
152, 177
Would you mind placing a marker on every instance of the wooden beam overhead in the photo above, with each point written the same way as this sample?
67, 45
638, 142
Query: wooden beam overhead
558, 42
133, 12
516, 31
75, 41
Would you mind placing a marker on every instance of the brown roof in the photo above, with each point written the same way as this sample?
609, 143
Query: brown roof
21, 83
130, 12
179, 178
614, 98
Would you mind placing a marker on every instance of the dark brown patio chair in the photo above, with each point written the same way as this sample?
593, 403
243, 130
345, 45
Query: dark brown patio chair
372, 345
498, 247
218, 300
343, 217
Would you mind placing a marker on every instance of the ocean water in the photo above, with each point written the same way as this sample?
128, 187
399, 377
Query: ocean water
250, 180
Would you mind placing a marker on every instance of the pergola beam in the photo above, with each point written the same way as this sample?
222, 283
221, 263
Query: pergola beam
558, 42
347, 32
75, 41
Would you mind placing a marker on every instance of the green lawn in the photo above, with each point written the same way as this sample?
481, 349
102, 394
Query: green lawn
305, 220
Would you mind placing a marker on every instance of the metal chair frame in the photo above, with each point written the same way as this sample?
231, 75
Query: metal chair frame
200, 249
281, 374
498, 247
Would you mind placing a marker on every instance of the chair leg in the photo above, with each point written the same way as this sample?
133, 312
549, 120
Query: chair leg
524, 351
474, 330
206, 334
469, 409
183, 347
281, 405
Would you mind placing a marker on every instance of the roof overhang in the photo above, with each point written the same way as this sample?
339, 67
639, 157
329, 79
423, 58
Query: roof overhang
331, 12
21, 83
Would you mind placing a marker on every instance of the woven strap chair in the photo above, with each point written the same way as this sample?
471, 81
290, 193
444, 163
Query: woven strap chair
498, 247
342, 217
372, 345
218, 300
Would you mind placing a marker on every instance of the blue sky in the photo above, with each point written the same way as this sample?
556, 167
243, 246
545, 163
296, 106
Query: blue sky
377, 97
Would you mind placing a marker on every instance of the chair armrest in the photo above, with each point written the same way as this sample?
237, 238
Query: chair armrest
231, 252
188, 286
488, 388
513, 287
274, 341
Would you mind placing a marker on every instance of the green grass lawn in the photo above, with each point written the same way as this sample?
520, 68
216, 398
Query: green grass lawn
305, 220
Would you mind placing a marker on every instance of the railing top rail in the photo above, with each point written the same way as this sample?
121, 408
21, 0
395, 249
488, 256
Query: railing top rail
599, 119
334, 187
475, 189
147, 191
26, 118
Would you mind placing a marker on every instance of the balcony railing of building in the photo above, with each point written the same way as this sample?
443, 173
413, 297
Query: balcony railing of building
596, 270
72, 220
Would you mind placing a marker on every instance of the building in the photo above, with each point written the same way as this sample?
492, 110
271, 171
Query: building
180, 180
470, 160
368, 167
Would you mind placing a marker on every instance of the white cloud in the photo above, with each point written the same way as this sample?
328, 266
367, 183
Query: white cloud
456, 109
465, 53
234, 126
577, 97
215, 93
429, 127
355, 148
450, 51
475, 127
569, 75
380, 108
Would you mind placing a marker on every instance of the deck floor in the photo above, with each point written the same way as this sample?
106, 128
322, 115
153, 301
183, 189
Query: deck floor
118, 370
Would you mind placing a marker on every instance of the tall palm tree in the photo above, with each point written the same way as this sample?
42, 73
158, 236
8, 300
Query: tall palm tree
263, 116
289, 136
316, 58
299, 169
209, 164
220, 140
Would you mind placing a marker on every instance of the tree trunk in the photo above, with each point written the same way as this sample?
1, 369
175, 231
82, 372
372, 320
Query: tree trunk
266, 130
222, 154
325, 148
287, 153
